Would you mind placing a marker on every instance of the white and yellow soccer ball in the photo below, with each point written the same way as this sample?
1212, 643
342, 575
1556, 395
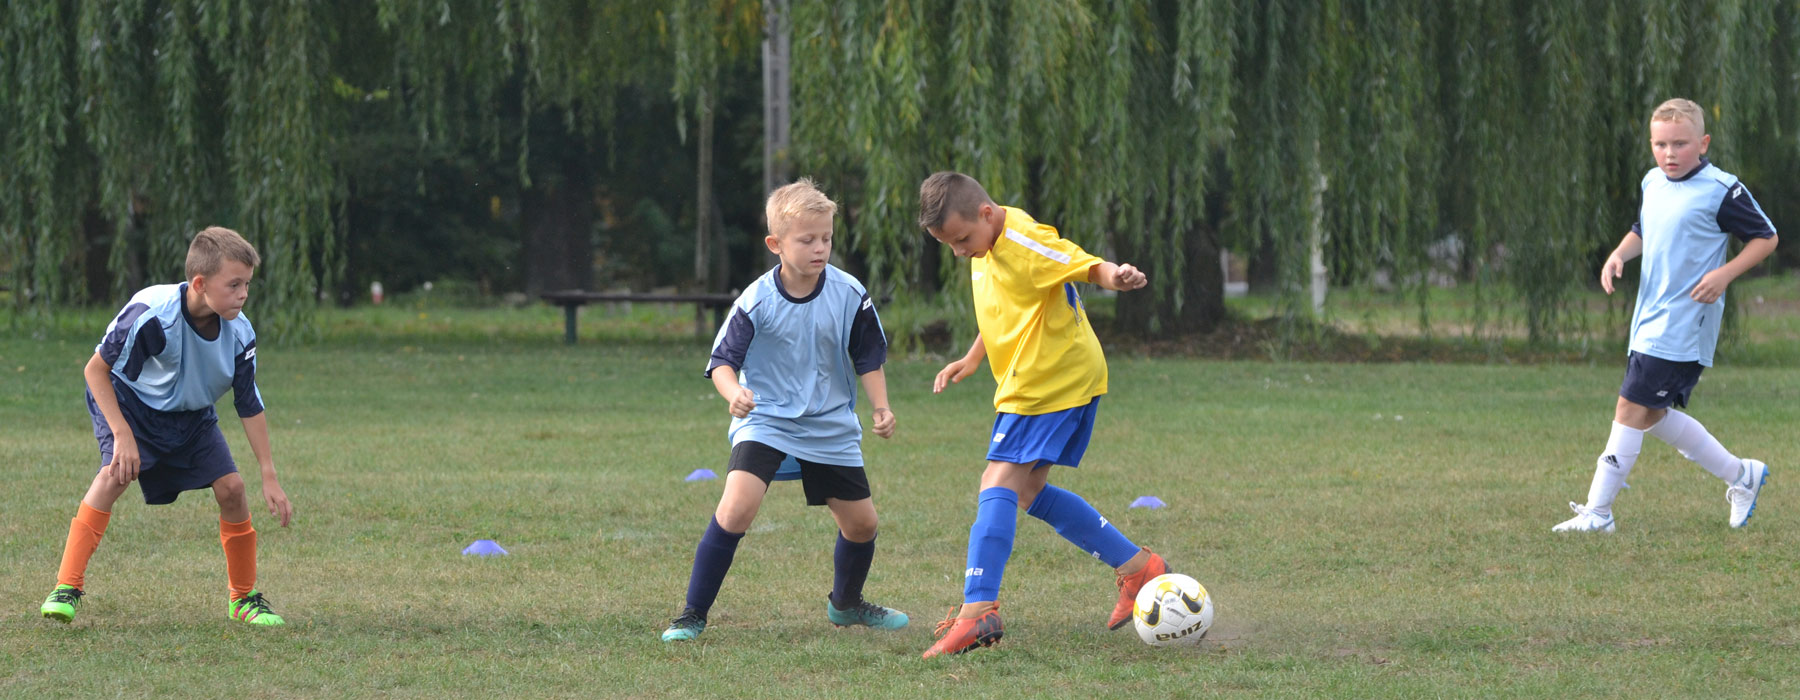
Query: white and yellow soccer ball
1172, 610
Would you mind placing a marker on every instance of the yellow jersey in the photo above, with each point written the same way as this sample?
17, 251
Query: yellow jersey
1044, 354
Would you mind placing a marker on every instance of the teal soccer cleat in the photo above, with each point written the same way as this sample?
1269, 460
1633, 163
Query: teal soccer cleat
686, 626
864, 613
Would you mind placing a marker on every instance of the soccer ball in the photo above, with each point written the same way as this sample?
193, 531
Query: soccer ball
1172, 610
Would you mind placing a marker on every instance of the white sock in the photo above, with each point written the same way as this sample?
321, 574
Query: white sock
1614, 465
1684, 433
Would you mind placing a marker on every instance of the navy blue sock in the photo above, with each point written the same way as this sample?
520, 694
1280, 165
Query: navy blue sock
711, 560
990, 544
850, 569
1079, 523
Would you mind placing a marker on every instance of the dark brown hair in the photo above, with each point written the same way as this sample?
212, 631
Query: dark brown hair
946, 192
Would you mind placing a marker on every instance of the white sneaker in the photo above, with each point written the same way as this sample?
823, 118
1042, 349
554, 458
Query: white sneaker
1585, 521
1742, 497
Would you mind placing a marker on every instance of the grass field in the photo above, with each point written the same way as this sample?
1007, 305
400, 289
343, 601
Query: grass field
1366, 531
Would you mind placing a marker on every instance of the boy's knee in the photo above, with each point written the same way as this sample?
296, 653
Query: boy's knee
229, 489
735, 520
858, 529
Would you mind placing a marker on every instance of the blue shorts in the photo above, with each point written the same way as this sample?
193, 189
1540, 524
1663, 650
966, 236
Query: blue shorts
197, 458
1654, 382
1043, 440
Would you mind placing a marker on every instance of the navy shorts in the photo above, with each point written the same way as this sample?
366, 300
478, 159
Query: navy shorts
821, 481
197, 458
1043, 440
1654, 382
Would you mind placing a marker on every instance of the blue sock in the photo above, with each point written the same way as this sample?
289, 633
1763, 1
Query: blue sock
1079, 523
711, 560
990, 544
850, 569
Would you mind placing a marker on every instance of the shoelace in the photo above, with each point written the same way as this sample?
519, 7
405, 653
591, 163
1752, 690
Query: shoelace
869, 609
949, 621
66, 595
688, 620
253, 603
1738, 496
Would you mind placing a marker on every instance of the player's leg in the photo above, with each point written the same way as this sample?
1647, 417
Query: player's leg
845, 492
1082, 525
977, 622
1641, 403
209, 465
1743, 478
753, 466
89, 524
85, 531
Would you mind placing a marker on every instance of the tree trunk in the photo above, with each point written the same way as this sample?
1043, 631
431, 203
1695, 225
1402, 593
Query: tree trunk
1197, 307
558, 223
703, 197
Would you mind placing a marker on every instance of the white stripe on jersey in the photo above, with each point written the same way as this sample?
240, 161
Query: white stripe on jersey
1037, 247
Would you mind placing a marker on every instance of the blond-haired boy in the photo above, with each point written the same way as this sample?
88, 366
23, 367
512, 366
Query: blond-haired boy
1051, 374
1690, 210
787, 364
167, 357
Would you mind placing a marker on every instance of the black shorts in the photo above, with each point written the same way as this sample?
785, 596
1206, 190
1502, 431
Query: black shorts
1654, 382
821, 481
193, 457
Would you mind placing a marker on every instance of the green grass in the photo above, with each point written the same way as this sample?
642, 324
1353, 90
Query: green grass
1366, 530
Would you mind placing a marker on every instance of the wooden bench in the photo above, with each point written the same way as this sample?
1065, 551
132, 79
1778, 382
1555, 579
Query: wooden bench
573, 299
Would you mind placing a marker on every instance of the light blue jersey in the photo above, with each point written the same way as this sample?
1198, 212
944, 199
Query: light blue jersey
1684, 223
169, 367
801, 357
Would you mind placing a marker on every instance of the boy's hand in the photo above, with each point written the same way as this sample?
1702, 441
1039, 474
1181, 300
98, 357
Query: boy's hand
125, 463
277, 501
1127, 277
1711, 286
884, 422
953, 373
1613, 269
743, 403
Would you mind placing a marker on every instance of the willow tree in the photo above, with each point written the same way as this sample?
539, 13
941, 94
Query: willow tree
128, 125
1506, 135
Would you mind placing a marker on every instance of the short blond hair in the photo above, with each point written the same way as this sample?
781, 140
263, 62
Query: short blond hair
1680, 109
213, 246
792, 201
948, 192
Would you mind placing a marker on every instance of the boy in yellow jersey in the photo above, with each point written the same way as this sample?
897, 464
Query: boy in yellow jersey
1051, 373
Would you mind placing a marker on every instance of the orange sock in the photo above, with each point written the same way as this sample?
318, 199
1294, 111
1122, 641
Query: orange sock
84, 537
239, 541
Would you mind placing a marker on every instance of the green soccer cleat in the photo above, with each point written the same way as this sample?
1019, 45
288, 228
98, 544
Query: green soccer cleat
253, 609
685, 627
61, 604
864, 613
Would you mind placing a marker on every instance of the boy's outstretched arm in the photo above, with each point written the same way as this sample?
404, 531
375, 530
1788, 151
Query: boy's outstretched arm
960, 369
1614, 268
1713, 284
256, 430
124, 466
1119, 278
874, 383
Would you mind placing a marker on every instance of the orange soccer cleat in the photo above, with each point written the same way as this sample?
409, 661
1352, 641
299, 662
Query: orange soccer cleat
960, 634
1129, 584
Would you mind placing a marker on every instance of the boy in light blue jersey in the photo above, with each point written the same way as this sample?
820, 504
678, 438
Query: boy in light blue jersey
168, 356
1690, 210
787, 364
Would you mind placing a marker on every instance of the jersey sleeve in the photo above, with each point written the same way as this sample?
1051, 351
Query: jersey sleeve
134, 337
244, 394
1052, 260
868, 342
733, 342
1740, 216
